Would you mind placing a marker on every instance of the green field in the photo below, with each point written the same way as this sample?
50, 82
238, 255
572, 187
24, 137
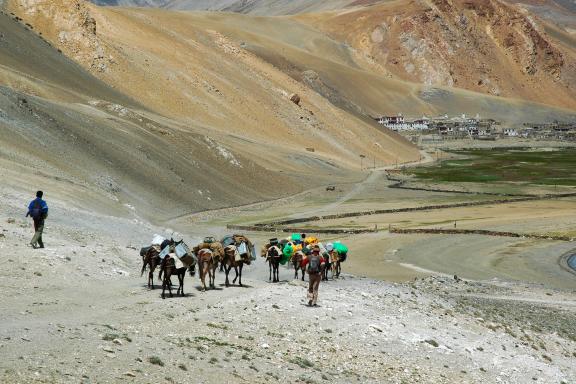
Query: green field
519, 165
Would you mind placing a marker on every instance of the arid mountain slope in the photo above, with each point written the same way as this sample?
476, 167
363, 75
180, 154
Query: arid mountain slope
390, 56
179, 66
180, 120
485, 46
67, 132
256, 7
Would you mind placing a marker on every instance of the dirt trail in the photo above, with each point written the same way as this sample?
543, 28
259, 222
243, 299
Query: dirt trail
374, 176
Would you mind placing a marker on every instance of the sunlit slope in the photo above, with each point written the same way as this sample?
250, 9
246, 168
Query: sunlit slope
179, 65
65, 131
484, 46
353, 81
257, 7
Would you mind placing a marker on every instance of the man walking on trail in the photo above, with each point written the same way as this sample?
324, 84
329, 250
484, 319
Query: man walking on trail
315, 263
38, 210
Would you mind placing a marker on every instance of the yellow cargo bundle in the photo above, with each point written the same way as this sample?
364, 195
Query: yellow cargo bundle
311, 240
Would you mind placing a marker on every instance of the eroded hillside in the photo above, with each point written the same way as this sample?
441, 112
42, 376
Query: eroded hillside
485, 46
168, 121
76, 137
198, 76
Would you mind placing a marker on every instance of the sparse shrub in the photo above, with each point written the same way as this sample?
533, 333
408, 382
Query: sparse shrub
302, 362
155, 360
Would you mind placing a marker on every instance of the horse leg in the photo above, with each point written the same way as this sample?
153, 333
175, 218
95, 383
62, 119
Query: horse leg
202, 271
276, 273
302, 273
181, 276
167, 277
240, 274
227, 271
213, 277
210, 266
270, 267
235, 277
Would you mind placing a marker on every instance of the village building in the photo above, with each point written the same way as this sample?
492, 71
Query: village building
398, 123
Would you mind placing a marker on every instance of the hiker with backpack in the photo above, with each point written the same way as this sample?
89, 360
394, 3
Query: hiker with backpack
315, 263
38, 210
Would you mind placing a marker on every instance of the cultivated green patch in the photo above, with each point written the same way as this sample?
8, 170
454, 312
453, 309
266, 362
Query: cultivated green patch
519, 165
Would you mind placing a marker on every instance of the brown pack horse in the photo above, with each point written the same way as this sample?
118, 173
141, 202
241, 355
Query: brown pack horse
335, 263
273, 256
168, 269
150, 260
296, 260
207, 264
229, 262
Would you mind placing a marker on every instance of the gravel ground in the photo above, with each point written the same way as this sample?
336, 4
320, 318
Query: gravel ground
78, 311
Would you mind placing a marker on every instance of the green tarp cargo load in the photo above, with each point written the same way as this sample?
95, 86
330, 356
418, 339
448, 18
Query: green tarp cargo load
296, 237
342, 250
287, 252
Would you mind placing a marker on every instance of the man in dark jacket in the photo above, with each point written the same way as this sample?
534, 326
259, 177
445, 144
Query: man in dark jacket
315, 263
38, 210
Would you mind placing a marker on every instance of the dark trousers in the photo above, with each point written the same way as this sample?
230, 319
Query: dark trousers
313, 285
38, 229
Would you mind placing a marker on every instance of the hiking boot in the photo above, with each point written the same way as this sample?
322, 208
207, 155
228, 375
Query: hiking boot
33, 245
309, 303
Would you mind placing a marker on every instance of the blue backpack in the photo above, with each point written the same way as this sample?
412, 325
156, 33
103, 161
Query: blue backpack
36, 211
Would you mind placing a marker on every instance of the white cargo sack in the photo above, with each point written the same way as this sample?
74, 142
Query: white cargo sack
184, 255
164, 252
157, 240
181, 250
178, 263
242, 249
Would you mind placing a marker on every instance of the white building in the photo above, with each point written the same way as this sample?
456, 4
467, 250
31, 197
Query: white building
398, 123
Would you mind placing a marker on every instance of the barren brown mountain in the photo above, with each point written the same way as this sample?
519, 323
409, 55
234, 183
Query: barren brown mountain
485, 46
182, 119
196, 106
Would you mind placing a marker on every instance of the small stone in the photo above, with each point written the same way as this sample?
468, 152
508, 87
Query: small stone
376, 327
130, 374
117, 341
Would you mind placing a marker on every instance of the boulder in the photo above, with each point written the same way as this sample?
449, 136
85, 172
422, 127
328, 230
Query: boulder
295, 98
